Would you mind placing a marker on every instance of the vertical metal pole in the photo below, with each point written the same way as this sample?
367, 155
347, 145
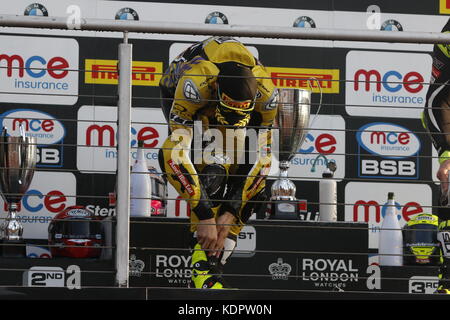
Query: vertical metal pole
123, 163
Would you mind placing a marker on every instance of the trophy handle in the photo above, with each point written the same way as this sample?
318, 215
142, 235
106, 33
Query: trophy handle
320, 99
22, 131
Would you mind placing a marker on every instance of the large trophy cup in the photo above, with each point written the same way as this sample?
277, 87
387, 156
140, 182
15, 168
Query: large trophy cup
291, 122
17, 163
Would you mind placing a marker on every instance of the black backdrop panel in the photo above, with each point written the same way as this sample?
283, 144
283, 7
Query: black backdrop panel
270, 254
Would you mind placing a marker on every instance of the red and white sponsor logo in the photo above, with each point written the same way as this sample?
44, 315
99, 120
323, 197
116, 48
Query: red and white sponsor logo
179, 208
367, 202
377, 80
44, 127
49, 193
176, 169
325, 137
39, 70
97, 137
389, 140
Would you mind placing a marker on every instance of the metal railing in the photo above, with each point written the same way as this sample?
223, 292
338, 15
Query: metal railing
125, 86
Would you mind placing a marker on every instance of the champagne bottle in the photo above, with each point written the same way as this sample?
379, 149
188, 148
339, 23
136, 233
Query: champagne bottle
390, 245
140, 192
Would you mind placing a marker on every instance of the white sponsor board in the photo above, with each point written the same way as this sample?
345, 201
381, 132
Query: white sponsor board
34, 251
393, 150
321, 144
176, 206
239, 15
44, 277
246, 242
367, 202
48, 194
386, 84
423, 284
97, 137
52, 8
39, 70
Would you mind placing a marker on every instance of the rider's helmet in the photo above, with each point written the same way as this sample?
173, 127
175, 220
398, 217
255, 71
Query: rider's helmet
76, 233
420, 244
236, 90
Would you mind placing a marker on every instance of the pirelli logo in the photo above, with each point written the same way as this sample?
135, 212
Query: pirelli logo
444, 6
327, 79
144, 73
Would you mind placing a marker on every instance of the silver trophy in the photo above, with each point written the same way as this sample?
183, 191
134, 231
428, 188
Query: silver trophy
291, 122
17, 164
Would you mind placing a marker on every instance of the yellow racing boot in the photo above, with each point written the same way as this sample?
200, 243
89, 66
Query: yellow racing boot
206, 272
443, 236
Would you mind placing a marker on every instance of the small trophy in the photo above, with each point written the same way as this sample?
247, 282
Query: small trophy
17, 163
291, 122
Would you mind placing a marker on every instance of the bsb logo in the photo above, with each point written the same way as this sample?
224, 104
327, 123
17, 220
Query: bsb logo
38, 70
48, 131
386, 84
387, 150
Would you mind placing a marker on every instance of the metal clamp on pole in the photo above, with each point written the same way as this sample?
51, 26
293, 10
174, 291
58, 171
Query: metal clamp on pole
123, 162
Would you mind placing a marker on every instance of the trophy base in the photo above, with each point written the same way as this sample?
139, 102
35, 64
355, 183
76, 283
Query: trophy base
13, 248
284, 210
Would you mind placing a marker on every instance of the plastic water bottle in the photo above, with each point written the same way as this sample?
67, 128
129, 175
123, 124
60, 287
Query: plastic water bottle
327, 197
140, 192
390, 245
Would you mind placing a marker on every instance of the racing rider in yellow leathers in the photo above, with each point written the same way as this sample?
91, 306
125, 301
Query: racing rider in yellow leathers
221, 85
436, 118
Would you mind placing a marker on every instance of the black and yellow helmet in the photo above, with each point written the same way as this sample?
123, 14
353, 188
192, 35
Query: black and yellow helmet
420, 244
236, 90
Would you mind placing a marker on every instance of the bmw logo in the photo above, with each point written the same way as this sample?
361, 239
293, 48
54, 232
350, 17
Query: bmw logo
304, 22
391, 25
216, 17
36, 9
127, 14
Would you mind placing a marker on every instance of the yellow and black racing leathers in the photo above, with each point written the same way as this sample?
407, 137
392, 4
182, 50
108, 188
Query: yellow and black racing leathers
437, 106
189, 97
436, 119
